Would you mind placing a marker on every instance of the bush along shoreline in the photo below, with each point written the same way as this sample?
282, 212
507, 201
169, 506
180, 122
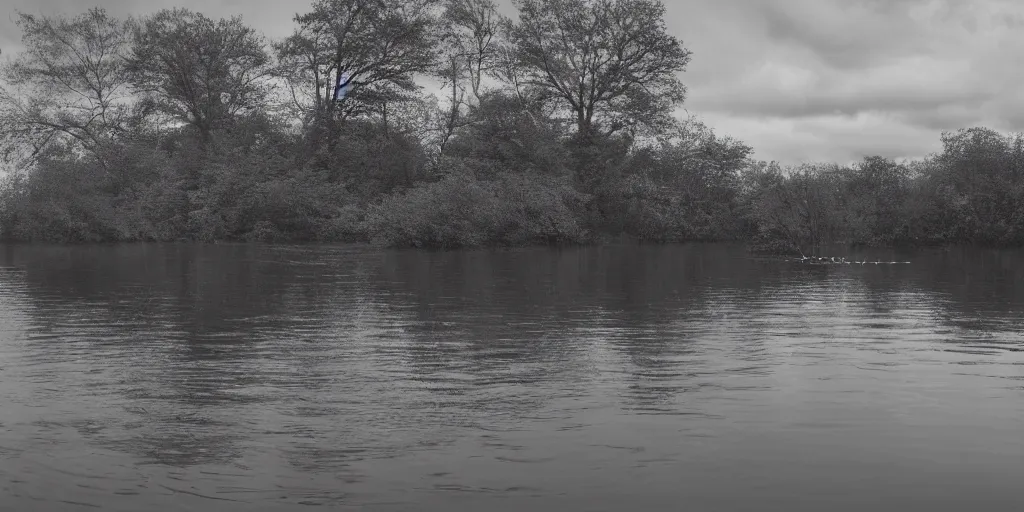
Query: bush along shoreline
175, 126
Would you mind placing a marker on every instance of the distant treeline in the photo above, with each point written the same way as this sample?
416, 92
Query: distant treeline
555, 128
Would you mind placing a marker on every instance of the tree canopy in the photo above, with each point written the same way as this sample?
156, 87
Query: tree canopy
611, 63
69, 85
198, 70
371, 48
556, 125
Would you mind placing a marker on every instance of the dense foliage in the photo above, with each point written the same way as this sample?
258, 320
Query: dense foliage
555, 128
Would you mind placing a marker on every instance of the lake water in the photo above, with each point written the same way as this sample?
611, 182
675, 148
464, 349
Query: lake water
254, 378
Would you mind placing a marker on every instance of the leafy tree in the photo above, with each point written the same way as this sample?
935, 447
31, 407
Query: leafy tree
371, 48
610, 63
875, 193
981, 171
502, 134
470, 46
473, 28
200, 71
801, 208
691, 177
68, 85
685, 186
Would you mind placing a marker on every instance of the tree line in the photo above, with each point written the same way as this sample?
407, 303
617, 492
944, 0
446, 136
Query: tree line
555, 127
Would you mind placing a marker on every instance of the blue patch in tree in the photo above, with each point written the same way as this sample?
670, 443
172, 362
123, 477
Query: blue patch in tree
342, 86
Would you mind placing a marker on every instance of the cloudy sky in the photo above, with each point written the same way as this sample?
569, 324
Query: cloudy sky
799, 80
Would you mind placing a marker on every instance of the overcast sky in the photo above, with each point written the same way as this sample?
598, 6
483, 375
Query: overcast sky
799, 80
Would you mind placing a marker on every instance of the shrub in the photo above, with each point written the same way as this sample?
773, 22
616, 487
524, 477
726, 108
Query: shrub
461, 211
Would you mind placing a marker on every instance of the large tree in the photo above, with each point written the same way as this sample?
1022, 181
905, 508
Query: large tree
610, 63
68, 84
371, 48
200, 71
470, 52
982, 171
473, 28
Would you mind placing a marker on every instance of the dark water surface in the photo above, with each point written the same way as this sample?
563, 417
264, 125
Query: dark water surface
246, 378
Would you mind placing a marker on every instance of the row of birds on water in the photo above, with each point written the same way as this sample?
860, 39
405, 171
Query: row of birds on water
832, 260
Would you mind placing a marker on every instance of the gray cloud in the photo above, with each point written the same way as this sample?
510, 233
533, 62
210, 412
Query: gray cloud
834, 101
864, 77
820, 80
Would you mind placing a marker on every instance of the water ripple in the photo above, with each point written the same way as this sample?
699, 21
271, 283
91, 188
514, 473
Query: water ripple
278, 378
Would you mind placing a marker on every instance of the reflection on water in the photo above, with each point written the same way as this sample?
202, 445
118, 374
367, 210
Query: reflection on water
234, 377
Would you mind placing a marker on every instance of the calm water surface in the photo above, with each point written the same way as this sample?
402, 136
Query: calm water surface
246, 378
